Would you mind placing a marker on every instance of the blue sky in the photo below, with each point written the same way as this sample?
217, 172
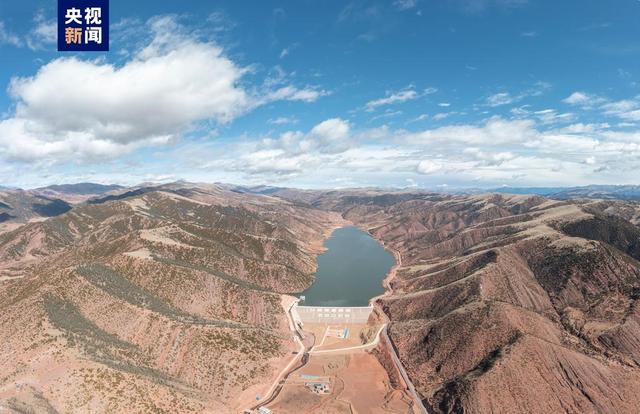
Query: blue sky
433, 94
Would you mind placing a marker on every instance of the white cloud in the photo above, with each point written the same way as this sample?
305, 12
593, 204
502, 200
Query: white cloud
429, 167
282, 120
44, 33
584, 100
331, 131
497, 150
405, 4
329, 136
292, 93
74, 109
7, 37
442, 115
292, 152
502, 98
551, 116
505, 98
477, 6
392, 98
581, 128
495, 131
389, 113
421, 117
490, 158
577, 98
404, 95
627, 109
535, 147
287, 50
273, 161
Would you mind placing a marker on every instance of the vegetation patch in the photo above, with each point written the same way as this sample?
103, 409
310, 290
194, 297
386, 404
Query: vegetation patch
120, 287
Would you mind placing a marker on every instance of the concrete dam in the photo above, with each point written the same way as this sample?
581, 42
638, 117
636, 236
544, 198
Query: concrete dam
331, 314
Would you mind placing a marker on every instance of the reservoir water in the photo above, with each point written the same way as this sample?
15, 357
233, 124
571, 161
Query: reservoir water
350, 271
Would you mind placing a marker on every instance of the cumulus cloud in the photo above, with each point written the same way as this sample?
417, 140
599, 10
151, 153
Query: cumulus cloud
291, 152
330, 136
497, 150
489, 158
429, 167
495, 131
584, 100
74, 109
577, 98
106, 109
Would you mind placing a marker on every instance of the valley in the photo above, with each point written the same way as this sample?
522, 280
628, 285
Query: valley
178, 298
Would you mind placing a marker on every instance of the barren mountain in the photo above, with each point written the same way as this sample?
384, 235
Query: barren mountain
18, 207
77, 193
509, 303
168, 300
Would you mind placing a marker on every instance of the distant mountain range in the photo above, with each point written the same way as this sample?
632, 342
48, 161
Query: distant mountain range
607, 192
621, 192
21, 206
81, 188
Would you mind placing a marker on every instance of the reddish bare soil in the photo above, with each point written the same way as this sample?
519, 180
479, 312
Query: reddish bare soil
165, 301
508, 303
168, 299
359, 384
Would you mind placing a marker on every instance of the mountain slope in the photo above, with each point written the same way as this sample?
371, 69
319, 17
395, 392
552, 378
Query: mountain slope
509, 303
167, 301
18, 207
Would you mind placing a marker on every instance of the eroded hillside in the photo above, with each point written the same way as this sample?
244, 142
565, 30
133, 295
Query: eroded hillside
509, 303
167, 300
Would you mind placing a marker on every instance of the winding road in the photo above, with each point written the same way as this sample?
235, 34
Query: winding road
302, 355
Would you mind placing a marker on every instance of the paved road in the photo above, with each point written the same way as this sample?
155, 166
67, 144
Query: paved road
276, 387
412, 390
